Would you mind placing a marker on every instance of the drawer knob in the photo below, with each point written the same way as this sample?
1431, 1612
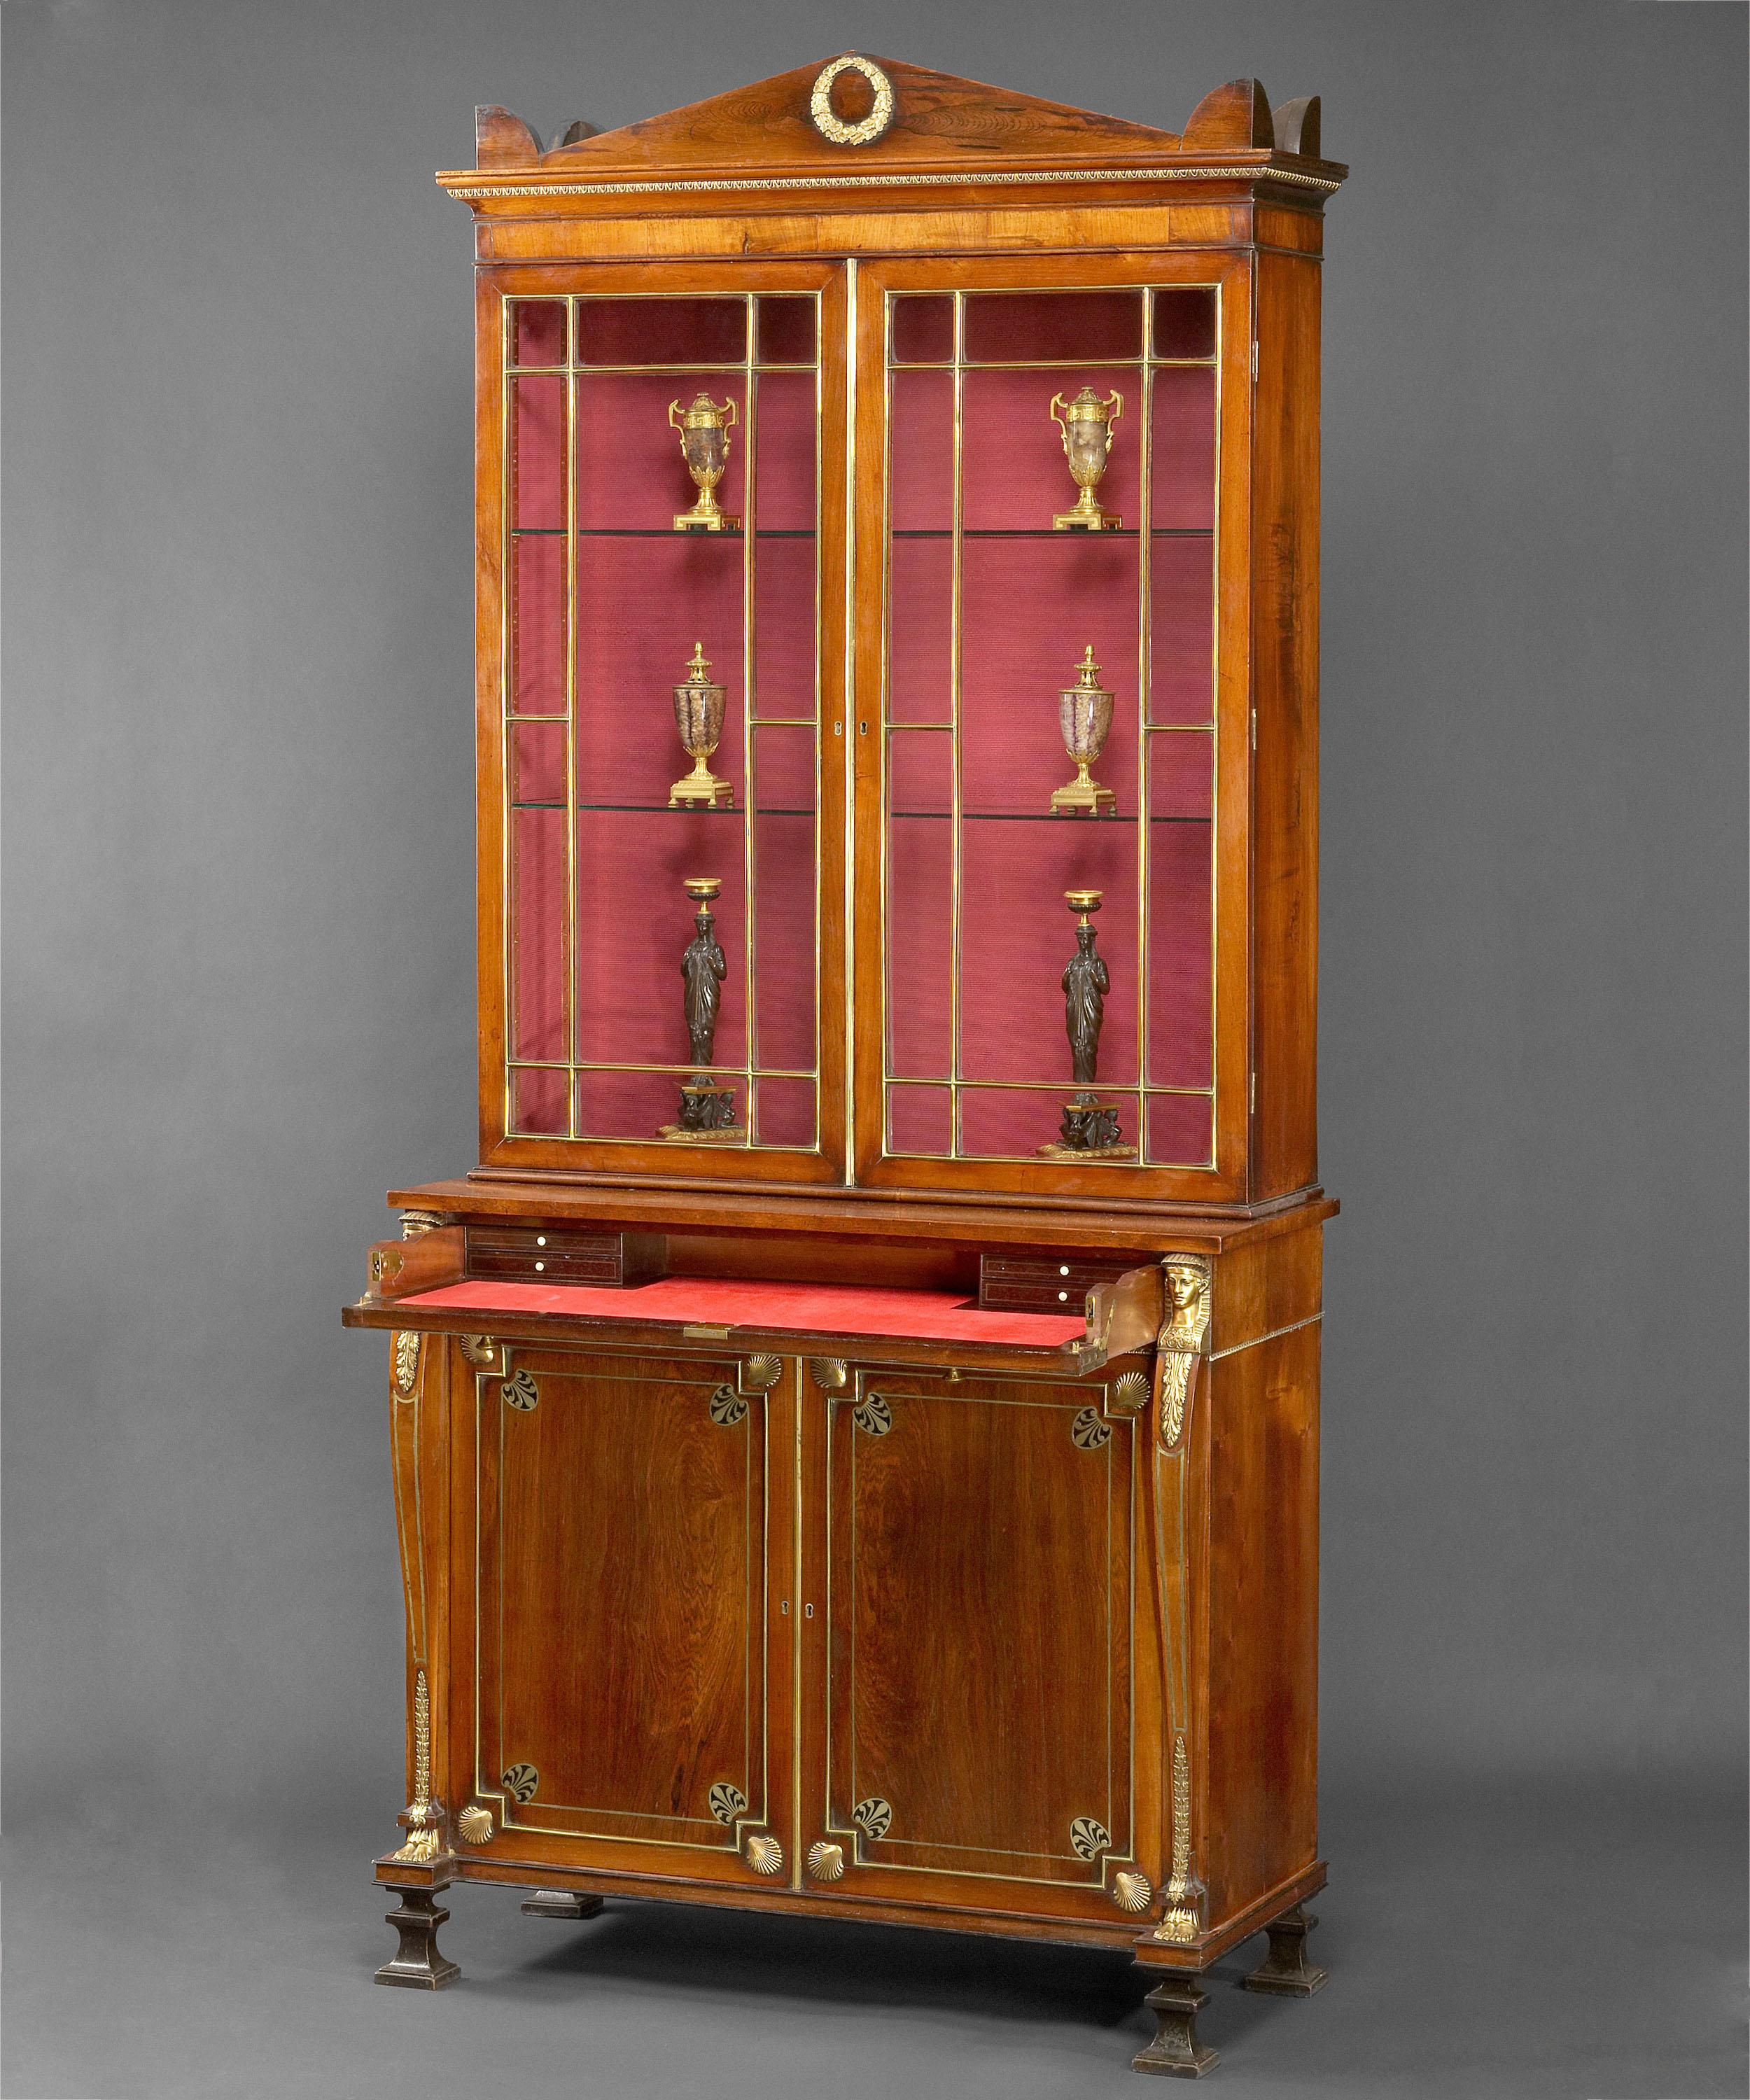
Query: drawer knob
826, 1862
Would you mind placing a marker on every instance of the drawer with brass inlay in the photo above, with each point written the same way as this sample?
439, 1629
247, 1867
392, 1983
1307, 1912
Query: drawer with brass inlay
551, 1254
1044, 1283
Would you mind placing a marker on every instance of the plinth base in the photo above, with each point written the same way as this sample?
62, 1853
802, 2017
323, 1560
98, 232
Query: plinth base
1087, 521
704, 789
708, 1115
561, 1904
1092, 1154
1083, 797
707, 521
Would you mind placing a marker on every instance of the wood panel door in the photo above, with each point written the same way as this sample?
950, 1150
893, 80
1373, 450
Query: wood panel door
630, 1678
978, 1704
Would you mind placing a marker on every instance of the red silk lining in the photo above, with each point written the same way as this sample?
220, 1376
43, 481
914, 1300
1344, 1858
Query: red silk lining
933, 1315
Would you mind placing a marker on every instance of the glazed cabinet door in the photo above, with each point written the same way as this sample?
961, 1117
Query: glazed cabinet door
1053, 686
621, 1675
661, 718
974, 1706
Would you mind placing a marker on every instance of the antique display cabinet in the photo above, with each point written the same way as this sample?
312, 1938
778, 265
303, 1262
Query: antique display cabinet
855, 1432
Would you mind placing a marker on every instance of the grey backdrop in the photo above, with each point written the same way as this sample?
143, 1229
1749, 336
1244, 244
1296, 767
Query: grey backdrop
240, 1005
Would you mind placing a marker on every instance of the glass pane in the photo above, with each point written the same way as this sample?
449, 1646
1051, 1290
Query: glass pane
1045, 326
784, 1112
538, 332
920, 452
629, 752
921, 637
635, 918
786, 331
537, 764
537, 455
1010, 1123
537, 625
1180, 1128
1182, 629
538, 1103
1181, 866
923, 329
920, 1119
919, 903
786, 885
1029, 608
1017, 936
703, 331
784, 485
538, 934
1184, 321
1015, 477
632, 1104
1182, 474
632, 475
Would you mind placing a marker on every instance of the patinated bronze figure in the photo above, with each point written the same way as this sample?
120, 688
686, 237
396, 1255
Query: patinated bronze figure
1089, 1129
708, 1106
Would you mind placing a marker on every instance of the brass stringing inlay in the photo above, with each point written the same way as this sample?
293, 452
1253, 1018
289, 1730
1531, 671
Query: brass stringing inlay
1088, 1836
830, 1373
520, 1392
873, 1415
1087, 1432
872, 1817
764, 1855
474, 1824
727, 1407
521, 1781
406, 1364
1130, 1890
726, 1802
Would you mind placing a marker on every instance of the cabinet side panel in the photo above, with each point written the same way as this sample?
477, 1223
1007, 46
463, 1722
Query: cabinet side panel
1264, 1624
1286, 694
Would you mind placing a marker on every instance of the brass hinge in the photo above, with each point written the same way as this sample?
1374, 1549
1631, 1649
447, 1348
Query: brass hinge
1254, 357
695, 1333
1254, 1093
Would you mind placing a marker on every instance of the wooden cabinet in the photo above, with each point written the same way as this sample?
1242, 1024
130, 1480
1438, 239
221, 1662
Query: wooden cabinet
856, 1426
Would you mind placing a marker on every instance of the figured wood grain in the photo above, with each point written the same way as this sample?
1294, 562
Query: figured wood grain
623, 1535
978, 1585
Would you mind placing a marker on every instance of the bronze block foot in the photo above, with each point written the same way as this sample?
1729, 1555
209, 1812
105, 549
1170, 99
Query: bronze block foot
417, 1963
561, 1903
1285, 1971
1175, 2051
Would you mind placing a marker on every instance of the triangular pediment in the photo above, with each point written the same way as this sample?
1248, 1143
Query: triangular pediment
938, 122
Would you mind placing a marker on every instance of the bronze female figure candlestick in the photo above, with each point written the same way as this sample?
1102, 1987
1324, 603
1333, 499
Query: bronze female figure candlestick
707, 1107
1090, 1128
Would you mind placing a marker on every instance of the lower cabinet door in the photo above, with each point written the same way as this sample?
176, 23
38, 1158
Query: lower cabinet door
977, 1713
630, 1677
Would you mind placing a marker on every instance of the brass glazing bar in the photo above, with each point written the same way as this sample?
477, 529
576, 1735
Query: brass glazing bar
741, 1071
1144, 669
749, 913
1215, 714
718, 364
955, 615
571, 711
1127, 1086
506, 690
1061, 363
